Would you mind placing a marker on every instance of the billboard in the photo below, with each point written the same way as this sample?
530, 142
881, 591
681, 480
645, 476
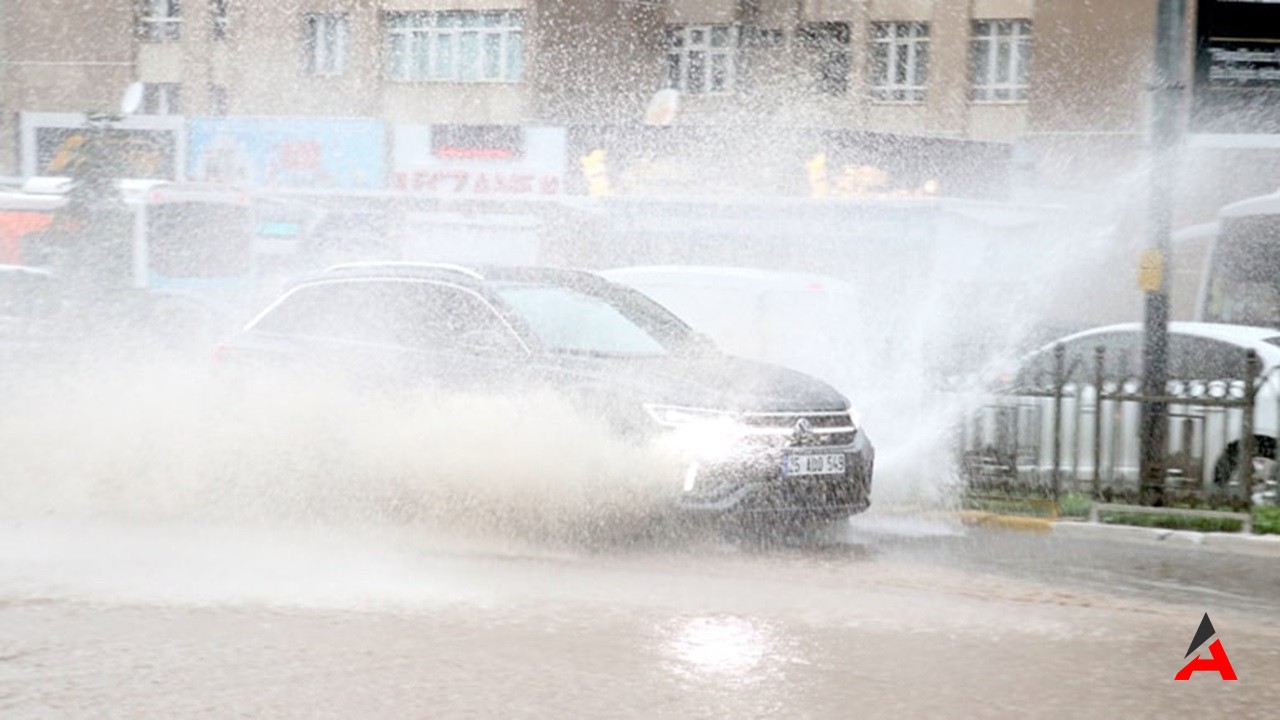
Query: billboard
478, 160
1237, 68
145, 147
288, 152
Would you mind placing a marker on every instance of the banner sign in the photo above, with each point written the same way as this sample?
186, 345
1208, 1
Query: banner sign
288, 152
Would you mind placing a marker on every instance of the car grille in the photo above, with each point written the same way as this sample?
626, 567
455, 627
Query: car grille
792, 494
801, 429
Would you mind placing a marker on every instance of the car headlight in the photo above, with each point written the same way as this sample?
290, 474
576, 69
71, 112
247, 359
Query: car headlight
702, 433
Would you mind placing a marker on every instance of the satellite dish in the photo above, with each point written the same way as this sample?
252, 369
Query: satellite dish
662, 108
132, 99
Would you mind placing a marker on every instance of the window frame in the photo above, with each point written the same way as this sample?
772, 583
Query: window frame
829, 46
681, 44
219, 20
883, 72
219, 99
162, 98
987, 41
325, 40
421, 36
160, 20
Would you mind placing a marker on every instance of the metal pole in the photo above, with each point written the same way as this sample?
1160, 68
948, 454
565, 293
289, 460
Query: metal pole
1059, 382
1253, 367
1166, 111
1099, 358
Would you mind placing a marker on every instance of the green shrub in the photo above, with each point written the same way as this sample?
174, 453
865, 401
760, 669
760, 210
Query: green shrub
1266, 520
1074, 505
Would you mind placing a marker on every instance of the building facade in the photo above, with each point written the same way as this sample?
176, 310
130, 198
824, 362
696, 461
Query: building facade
1064, 84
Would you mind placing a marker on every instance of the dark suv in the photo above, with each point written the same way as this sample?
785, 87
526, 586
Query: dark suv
762, 441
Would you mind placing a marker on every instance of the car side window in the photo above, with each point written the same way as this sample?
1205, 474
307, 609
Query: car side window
416, 314
1195, 358
444, 317
318, 310
1123, 360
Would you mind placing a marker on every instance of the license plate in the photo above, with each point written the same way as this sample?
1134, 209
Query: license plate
814, 464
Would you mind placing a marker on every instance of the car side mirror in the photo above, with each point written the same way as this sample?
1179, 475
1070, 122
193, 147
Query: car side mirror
704, 345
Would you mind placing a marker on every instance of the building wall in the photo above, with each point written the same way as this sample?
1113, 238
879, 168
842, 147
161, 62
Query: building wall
1083, 124
48, 63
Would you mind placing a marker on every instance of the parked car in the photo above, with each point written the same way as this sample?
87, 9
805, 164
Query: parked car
763, 442
46, 318
31, 300
1207, 363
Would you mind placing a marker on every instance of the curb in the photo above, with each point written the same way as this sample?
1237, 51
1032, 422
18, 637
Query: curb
975, 518
1222, 542
1235, 543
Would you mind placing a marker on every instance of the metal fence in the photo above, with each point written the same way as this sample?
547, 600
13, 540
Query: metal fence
1074, 428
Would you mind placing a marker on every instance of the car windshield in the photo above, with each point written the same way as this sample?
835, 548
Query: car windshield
570, 320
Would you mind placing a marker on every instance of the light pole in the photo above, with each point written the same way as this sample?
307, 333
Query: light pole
1167, 90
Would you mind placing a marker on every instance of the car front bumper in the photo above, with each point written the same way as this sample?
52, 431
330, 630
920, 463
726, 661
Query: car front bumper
752, 485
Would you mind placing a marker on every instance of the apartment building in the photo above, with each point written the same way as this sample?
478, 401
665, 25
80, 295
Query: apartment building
1064, 83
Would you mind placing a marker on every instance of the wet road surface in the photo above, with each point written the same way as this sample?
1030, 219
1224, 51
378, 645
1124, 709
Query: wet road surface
897, 618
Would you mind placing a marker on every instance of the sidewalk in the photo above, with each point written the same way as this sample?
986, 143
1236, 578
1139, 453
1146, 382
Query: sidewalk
1238, 543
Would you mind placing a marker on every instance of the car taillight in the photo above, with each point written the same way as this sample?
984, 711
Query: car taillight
218, 353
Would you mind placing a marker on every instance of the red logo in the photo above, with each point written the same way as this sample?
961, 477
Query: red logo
1216, 662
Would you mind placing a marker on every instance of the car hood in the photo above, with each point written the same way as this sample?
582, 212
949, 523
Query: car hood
718, 382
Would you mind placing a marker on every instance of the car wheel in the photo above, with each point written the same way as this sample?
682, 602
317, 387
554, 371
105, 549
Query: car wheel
1264, 463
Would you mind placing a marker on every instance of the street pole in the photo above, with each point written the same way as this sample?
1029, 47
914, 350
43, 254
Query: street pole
1167, 90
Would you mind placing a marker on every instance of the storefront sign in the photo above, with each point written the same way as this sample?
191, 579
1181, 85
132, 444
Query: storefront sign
288, 152
1237, 83
479, 160
143, 147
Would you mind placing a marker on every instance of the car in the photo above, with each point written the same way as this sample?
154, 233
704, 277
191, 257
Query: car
47, 318
31, 300
759, 442
1206, 362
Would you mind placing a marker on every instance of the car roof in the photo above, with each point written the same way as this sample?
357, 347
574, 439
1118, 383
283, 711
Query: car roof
1246, 336
464, 274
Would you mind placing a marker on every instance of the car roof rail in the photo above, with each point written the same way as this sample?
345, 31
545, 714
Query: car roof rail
404, 265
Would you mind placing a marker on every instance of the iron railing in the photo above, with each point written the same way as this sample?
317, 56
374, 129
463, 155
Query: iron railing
1075, 429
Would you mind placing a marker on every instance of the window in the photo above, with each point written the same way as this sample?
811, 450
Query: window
218, 100
161, 20
218, 17
1000, 60
1197, 358
162, 99
702, 59
456, 46
566, 320
899, 61
324, 44
828, 48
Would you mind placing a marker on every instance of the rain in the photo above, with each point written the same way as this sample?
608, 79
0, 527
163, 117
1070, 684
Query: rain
639, 358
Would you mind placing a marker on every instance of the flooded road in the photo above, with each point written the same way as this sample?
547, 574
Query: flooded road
896, 618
